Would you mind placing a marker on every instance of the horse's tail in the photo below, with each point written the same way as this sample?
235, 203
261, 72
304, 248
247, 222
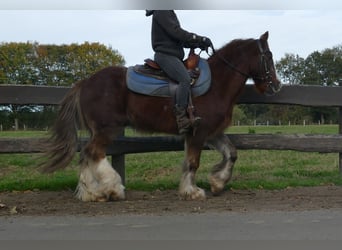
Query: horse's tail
62, 145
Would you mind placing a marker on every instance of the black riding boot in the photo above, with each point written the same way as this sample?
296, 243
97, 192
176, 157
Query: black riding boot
186, 122
183, 121
184, 110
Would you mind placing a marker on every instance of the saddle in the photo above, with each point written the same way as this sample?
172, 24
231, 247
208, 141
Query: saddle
149, 79
151, 68
190, 63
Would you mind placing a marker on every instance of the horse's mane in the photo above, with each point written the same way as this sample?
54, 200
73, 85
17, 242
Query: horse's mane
234, 44
232, 48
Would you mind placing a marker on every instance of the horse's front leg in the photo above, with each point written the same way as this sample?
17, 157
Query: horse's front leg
187, 188
222, 172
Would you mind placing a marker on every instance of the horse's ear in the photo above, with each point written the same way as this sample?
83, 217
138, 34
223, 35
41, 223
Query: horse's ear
264, 36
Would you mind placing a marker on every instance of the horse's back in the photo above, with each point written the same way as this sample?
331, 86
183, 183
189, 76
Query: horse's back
111, 74
103, 95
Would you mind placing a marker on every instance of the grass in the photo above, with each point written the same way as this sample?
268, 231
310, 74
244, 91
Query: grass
20, 172
294, 129
23, 133
254, 169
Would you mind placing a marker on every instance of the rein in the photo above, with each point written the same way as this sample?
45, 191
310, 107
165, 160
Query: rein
263, 63
232, 66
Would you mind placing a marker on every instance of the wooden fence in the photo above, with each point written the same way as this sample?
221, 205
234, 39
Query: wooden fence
317, 96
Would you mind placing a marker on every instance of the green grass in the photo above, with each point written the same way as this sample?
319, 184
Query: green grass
254, 169
23, 133
294, 129
20, 172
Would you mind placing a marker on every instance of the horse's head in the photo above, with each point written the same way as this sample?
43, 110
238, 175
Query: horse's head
262, 69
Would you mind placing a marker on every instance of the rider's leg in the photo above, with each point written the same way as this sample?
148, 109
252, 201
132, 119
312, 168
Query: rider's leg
176, 70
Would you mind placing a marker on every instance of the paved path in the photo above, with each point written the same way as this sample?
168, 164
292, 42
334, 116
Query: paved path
321, 224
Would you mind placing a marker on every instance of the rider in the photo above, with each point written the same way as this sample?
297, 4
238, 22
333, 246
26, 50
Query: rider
168, 43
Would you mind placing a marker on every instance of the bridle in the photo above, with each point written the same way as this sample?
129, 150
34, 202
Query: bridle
265, 54
264, 65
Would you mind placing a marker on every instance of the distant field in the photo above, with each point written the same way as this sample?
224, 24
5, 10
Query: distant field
294, 129
254, 169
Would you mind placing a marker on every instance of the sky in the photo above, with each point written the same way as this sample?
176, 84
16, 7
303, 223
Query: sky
294, 30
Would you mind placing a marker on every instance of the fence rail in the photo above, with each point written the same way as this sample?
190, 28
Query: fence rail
305, 95
132, 145
293, 95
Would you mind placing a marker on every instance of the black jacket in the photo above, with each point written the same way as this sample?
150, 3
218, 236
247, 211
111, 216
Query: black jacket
167, 35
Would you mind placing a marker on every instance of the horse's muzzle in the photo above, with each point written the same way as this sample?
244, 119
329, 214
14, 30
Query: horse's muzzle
273, 88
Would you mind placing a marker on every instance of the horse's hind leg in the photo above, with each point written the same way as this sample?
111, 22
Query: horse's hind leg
98, 181
222, 172
187, 188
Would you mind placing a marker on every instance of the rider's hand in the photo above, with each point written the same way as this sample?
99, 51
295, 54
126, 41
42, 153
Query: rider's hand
205, 43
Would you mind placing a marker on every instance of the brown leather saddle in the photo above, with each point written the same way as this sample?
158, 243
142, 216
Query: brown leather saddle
151, 68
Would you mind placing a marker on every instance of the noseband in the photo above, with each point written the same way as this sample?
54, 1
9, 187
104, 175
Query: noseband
264, 66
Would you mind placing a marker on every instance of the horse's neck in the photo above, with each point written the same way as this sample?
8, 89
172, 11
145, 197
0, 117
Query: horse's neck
235, 56
228, 82
229, 79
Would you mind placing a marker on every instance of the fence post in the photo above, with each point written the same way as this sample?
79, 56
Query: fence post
118, 162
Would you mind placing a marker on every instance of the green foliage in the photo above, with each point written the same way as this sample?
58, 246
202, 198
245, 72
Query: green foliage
324, 67
28, 116
61, 65
56, 65
290, 68
239, 116
251, 131
319, 68
16, 63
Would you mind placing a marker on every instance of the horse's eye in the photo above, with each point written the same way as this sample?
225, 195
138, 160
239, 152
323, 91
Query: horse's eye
268, 54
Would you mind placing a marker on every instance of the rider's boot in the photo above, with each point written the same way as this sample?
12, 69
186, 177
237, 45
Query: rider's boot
184, 123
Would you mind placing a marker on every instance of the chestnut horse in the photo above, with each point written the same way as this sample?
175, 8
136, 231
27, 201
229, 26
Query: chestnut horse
104, 105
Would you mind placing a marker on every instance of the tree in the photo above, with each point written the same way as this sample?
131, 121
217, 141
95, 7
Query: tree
291, 68
239, 116
57, 65
66, 64
16, 63
319, 68
31, 63
324, 68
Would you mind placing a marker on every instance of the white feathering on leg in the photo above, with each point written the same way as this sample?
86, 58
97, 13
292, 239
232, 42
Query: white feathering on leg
99, 182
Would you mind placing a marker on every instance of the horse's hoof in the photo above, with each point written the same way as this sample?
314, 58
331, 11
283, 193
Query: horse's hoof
195, 194
84, 194
118, 194
216, 185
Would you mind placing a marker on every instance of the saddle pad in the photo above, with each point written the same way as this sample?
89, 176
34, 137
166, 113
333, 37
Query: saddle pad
148, 85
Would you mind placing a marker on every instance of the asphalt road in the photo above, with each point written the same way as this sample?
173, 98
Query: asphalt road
319, 224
